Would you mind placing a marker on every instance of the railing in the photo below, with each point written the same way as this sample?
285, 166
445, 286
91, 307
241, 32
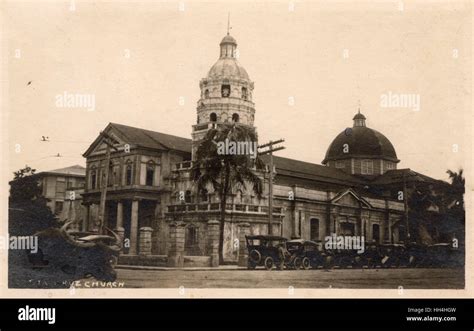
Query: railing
240, 208
183, 165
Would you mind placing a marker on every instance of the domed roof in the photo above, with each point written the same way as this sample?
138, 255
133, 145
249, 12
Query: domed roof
228, 39
227, 67
363, 142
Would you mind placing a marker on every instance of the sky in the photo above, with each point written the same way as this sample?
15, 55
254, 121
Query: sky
314, 65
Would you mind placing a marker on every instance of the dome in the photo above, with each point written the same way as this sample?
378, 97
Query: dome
227, 67
362, 142
228, 39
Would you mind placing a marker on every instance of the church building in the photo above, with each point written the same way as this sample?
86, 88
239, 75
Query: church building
357, 190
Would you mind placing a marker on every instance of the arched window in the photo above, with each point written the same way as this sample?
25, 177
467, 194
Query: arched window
206, 94
235, 117
150, 173
128, 173
225, 91
93, 179
188, 197
213, 117
204, 195
244, 93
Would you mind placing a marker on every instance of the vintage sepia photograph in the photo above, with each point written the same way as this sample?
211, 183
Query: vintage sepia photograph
259, 146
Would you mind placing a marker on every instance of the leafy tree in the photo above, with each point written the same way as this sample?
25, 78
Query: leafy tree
28, 211
223, 171
437, 212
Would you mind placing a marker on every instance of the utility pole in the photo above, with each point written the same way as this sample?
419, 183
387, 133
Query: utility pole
109, 141
270, 151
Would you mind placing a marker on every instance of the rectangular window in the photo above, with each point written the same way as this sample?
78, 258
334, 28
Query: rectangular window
367, 167
192, 236
58, 207
340, 164
60, 185
128, 175
389, 165
150, 173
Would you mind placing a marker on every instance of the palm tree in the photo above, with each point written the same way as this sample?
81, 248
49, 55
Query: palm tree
223, 171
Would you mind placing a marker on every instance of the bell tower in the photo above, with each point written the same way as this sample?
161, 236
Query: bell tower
226, 94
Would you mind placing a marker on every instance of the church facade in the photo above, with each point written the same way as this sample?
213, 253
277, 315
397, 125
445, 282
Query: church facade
357, 190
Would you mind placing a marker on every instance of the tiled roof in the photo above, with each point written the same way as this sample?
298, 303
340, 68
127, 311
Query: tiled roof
153, 139
311, 171
396, 176
75, 170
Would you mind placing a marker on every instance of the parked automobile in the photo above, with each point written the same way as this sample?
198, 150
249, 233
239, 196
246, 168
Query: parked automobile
393, 255
308, 254
264, 251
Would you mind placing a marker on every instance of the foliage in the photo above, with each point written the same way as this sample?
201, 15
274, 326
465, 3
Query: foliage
223, 171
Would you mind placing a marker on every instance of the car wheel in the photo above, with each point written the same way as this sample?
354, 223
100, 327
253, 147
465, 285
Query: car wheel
268, 263
255, 256
297, 263
306, 263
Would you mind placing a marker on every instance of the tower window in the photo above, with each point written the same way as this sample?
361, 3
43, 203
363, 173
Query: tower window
204, 195
206, 94
225, 90
213, 117
244, 93
188, 197
367, 167
235, 117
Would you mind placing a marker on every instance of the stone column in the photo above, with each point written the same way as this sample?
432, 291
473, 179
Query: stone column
145, 241
389, 224
119, 226
134, 228
176, 249
244, 230
119, 215
86, 221
213, 241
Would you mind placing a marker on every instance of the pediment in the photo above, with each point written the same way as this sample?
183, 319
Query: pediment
99, 145
350, 198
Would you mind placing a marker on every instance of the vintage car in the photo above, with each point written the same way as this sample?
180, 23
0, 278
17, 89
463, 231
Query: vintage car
443, 255
307, 254
393, 255
264, 251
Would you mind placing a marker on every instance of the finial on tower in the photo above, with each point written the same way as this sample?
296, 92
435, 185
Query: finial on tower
228, 23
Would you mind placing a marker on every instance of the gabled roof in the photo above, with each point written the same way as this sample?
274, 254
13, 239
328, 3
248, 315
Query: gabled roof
311, 171
352, 193
145, 138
